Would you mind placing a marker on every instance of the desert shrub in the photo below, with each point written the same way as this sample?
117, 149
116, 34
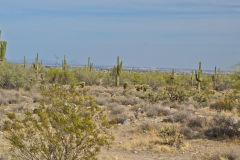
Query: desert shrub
15, 76
197, 122
200, 98
147, 126
108, 80
119, 119
225, 156
228, 102
224, 82
171, 136
57, 75
176, 94
156, 110
182, 116
66, 124
100, 100
117, 109
222, 127
126, 100
10, 97
152, 97
90, 78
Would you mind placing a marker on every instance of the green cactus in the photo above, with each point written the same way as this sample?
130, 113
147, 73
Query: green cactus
192, 78
37, 66
64, 64
90, 65
24, 63
82, 84
3, 47
117, 70
198, 75
214, 77
172, 76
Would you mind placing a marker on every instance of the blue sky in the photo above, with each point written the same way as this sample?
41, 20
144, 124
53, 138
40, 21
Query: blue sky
152, 33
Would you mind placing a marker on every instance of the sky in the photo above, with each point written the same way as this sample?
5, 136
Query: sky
144, 33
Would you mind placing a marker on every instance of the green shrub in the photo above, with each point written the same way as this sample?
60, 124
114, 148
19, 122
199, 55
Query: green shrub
171, 136
57, 75
176, 94
90, 78
200, 98
228, 102
15, 76
66, 124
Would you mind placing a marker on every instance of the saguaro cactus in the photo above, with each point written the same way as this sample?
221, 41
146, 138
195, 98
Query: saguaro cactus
172, 76
192, 78
198, 75
64, 64
3, 47
37, 66
24, 63
214, 77
90, 65
117, 71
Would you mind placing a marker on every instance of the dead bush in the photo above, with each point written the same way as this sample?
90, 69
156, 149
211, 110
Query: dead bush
10, 97
118, 109
156, 110
197, 122
182, 116
100, 101
223, 127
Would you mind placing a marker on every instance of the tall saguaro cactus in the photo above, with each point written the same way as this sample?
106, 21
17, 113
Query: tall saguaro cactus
36, 66
64, 64
198, 75
117, 71
214, 77
192, 78
3, 47
172, 76
24, 63
90, 65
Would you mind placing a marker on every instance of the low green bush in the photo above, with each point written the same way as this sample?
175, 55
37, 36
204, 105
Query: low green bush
90, 78
67, 123
176, 94
15, 76
57, 75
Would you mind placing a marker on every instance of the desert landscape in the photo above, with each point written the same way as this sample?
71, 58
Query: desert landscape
151, 115
120, 80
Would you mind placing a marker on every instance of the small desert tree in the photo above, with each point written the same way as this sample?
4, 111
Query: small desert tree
67, 125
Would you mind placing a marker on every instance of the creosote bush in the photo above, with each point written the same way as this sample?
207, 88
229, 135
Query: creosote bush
57, 75
15, 76
90, 78
228, 102
67, 125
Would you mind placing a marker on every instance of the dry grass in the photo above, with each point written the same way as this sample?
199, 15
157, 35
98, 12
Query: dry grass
10, 97
225, 156
156, 110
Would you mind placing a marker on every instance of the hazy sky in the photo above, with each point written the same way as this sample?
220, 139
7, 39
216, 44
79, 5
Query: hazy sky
153, 33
